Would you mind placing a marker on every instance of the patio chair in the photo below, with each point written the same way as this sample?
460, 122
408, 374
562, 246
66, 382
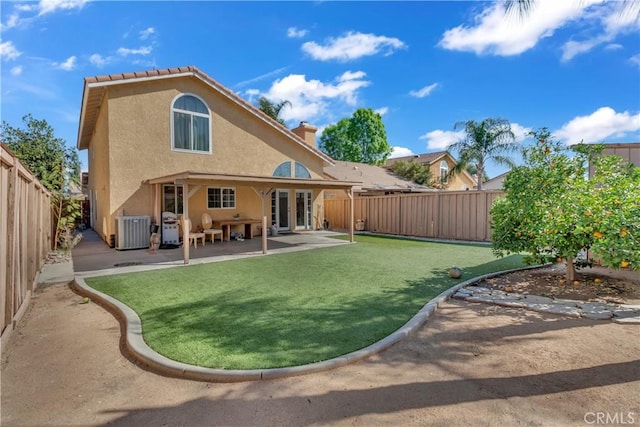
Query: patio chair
185, 223
207, 225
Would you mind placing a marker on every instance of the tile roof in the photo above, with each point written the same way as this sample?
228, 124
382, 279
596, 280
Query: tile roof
427, 158
372, 177
91, 101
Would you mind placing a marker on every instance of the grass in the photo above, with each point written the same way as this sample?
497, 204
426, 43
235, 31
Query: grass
295, 308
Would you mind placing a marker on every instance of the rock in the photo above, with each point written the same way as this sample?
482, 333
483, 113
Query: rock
628, 320
455, 272
597, 315
537, 300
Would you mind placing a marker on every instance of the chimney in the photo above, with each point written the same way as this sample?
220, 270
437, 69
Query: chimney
307, 133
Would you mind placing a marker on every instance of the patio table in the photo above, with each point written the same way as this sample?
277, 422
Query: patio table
226, 225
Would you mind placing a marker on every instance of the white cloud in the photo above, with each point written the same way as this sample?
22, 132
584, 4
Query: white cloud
635, 59
8, 51
613, 46
143, 50
352, 46
99, 60
295, 33
48, 6
441, 139
495, 34
400, 152
425, 91
520, 132
382, 110
17, 70
12, 22
25, 7
603, 123
261, 77
312, 99
67, 65
145, 34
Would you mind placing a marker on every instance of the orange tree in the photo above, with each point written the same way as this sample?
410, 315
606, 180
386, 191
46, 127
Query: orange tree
552, 209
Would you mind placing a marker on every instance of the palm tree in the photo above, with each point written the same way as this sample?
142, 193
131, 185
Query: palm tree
524, 7
272, 109
483, 142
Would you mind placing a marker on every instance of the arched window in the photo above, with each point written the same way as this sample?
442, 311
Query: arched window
302, 171
283, 169
444, 171
190, 121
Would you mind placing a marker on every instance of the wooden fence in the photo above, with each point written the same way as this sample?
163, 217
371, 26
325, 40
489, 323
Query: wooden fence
25, 236
459, 215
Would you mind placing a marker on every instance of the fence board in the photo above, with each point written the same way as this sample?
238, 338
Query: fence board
462, 215
25, 239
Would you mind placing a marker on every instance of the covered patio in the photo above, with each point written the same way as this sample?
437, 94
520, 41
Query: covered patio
92, 257
262, 186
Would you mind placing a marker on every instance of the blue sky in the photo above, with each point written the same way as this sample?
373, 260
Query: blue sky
572, 66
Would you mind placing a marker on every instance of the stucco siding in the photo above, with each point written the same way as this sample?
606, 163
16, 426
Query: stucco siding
139, 142
99, 183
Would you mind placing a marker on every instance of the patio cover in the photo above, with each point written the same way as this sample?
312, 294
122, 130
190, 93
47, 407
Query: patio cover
262, 185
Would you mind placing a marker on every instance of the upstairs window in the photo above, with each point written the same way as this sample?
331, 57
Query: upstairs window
191, 125
284, 170
444, 171
302, 171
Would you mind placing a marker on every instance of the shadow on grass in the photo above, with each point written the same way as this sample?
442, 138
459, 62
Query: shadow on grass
236, 330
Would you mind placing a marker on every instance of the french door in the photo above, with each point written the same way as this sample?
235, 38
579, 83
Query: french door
304, 210
280, 209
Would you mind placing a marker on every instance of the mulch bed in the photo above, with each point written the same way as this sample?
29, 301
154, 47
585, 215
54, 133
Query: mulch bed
595, 284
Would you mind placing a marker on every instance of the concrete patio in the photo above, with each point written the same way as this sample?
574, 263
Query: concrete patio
93, 256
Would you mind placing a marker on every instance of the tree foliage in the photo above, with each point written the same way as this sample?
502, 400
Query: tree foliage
361, 138
486, 141
55, 165
412, 170
552, 209
272, 109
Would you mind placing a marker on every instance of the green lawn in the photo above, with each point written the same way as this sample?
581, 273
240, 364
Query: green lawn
295, 308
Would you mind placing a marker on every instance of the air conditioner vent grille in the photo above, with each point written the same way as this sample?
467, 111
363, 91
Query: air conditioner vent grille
133, 232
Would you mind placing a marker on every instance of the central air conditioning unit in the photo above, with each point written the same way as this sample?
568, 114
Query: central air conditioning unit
133, 232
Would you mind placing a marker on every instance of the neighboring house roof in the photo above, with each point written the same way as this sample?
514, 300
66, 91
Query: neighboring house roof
373, 178
428, 158
495, 183
95, 87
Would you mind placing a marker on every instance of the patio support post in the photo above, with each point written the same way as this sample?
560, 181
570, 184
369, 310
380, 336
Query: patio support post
185, 216
351, 214
157, 210
263, 196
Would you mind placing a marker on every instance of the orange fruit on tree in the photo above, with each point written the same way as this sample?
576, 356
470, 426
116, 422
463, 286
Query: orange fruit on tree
624, 264
587, 213
559, 259
598, 235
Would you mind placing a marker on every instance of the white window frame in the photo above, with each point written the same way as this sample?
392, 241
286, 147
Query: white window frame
193, 113
222, 201
444, 179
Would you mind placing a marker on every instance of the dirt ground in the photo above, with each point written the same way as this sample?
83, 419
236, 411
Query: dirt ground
470, 364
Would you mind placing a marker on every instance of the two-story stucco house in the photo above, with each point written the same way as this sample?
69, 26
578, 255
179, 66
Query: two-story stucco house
175, 140
440, 163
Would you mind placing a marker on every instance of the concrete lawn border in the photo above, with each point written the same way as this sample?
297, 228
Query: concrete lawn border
142, 353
